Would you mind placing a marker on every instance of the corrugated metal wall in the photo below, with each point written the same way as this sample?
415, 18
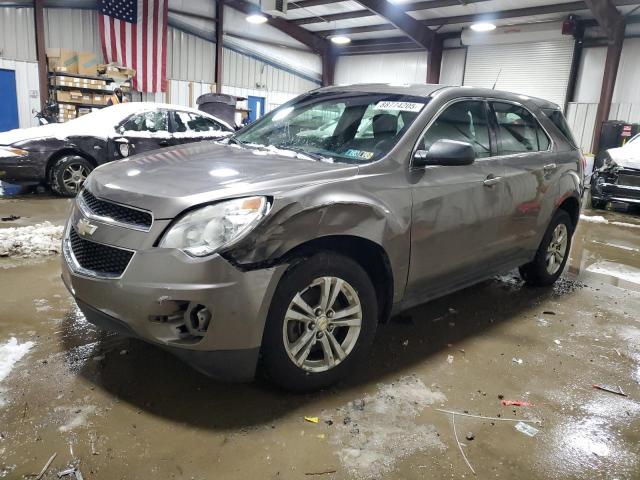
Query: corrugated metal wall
190, 57
452, 67
408, 67
27, 89
73, 29
17, 34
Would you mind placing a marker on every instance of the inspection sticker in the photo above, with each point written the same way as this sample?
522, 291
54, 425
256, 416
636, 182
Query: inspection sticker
361, 154
401, 106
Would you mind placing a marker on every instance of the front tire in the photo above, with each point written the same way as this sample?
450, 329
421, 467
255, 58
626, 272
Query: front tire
68, 174
321, 323
553, 253
598, 204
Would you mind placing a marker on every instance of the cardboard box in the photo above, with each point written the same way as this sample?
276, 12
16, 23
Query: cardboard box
76, 96
63, 96
99, 99
83, 111
62, 60
66, 106
87, 98
87, 63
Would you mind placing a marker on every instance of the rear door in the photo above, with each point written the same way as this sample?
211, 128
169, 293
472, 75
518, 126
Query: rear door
187, 127
458, 213
145, 131
530, 173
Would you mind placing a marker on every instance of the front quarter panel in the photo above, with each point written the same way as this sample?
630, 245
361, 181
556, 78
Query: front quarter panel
374, 207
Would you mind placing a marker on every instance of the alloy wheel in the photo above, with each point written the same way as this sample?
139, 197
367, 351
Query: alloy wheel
74, 176
322, 324
557, 249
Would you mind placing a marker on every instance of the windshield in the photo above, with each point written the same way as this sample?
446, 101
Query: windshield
344, 127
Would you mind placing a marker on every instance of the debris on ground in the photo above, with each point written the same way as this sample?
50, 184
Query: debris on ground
470, 436
71, 471
616, 390
517, 360
99, 358
526, 429
31, 241
455, 434
557, 342
312, 419
449, 359
548, 312
358, 404
405, 343
325, 472
10, 218
46, 466
516, 403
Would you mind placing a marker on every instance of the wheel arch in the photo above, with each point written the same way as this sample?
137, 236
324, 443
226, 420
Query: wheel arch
571, 205
368, 254
66, 152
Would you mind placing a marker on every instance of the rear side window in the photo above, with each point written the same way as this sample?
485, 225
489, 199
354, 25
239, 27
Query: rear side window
559, 121
518, 130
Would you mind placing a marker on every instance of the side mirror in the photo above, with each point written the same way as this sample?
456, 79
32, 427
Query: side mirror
445, 153
120, 129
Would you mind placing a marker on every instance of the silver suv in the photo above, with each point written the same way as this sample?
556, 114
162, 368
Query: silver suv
281, 249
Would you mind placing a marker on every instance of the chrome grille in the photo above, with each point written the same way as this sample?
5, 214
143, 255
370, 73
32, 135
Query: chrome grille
116, 213
100, 259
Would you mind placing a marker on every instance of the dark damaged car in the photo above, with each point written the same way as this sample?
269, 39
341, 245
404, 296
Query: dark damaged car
618, 180
281, 249
61, 155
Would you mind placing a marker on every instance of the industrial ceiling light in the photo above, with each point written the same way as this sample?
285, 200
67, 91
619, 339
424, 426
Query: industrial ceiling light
340, 40
483, 27
256, 18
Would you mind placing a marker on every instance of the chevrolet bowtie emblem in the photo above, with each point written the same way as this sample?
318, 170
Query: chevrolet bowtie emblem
84, 227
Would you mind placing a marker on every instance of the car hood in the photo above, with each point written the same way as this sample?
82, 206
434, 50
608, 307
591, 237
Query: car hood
60, 131
627, 156
171, 180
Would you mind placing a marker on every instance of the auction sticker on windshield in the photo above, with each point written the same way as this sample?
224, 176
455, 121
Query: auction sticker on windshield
361, 154
401, 106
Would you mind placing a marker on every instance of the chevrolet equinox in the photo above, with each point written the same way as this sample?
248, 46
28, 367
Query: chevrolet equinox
280, 249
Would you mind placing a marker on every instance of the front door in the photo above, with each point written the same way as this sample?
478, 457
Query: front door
146, 131
8, 101
458, 212
256, 107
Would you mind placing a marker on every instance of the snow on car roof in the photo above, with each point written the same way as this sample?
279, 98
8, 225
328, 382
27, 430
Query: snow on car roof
99, 123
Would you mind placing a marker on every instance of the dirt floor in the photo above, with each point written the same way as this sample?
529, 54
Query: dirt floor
121, 409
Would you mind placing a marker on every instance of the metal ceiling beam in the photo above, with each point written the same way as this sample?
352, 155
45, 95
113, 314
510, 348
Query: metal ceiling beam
310, 39
412, 7
503, 14
43, 76
402, 21
310, 3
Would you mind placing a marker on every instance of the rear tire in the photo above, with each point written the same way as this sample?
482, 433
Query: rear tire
68, 174
552, 254
306, 345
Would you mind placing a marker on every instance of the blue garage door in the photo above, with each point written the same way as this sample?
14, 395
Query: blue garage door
8, 100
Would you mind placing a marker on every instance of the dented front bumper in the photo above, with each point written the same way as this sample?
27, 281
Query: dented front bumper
156, 295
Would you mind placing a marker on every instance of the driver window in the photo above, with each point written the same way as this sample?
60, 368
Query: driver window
465, 122
153, 121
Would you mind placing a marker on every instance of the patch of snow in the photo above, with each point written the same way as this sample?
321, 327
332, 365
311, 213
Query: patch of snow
11, 352
372, 434
75, 416
601, 219
623, 272
593, 218
31, 241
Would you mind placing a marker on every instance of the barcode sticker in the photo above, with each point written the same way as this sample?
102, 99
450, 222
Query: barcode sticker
401, 106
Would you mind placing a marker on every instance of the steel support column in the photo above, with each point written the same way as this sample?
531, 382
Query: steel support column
219, 44
41, 53
434, 60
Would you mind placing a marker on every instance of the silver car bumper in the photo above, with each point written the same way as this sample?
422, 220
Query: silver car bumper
156, 295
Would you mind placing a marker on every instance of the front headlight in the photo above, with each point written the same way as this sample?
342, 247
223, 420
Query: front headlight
207, 229
12, 152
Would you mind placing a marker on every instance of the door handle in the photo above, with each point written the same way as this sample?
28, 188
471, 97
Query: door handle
491, 181
550, 167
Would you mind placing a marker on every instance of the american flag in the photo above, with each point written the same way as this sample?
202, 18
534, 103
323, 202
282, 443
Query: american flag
134, 34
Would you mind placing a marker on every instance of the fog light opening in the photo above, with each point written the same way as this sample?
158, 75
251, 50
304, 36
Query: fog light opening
199, 318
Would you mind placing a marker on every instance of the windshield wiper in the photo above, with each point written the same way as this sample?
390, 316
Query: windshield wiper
301, 151
233, 139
